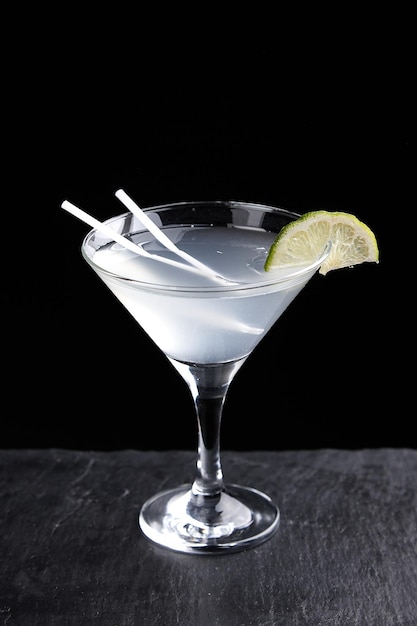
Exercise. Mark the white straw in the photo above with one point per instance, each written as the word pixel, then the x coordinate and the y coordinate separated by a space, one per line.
pixel 161 237
pixel 126 243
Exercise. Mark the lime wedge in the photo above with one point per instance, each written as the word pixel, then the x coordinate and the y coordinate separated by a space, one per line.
pixel 303 241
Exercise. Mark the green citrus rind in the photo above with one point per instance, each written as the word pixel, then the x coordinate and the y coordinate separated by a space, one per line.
pixel 302 241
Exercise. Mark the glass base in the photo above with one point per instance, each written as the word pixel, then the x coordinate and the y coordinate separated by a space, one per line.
pixel 235 519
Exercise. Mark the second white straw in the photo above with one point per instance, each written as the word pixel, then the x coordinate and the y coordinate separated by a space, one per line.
pixel 162 238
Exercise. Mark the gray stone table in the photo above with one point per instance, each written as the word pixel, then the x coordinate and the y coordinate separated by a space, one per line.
pixel 71 552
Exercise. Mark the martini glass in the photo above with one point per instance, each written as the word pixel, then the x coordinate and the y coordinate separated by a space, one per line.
pixel 207 329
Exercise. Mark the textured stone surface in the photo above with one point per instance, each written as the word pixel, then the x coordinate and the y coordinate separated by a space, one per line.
pixel 345 552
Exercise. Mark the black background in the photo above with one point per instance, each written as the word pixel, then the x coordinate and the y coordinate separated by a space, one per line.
pixel 292 113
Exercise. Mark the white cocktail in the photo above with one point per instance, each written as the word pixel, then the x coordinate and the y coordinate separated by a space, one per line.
pixel 187 317
pixel 206 329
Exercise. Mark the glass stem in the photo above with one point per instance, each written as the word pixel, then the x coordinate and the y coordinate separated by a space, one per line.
pixel 209 385
pixel 209 406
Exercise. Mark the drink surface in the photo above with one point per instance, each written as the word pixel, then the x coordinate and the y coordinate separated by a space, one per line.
pixel 189 317
pixel 236 253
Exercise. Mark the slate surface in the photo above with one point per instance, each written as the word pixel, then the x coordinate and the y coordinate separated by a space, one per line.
pixel 345 552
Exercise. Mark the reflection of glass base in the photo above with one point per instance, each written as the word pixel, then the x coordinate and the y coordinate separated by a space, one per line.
pixel 235 519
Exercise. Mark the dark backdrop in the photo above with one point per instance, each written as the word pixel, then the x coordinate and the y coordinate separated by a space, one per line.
pixel 300 118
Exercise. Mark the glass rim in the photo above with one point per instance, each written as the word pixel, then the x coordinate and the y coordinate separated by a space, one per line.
pixel 297 273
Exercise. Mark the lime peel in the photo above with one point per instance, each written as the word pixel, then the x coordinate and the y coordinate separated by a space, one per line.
pixel 302 241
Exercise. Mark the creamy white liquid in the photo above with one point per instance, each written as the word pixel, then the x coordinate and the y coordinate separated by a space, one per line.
pixel 210 324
